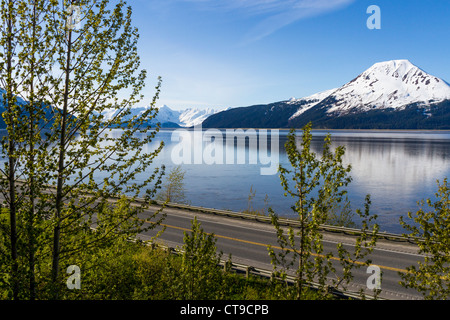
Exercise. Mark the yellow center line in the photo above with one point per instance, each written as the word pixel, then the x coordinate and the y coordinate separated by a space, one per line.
pixel 275 247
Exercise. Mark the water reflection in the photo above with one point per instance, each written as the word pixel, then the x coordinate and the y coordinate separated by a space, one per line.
pixel 396 168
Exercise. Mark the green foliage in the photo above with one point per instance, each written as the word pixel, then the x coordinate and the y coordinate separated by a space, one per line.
pixel 67 78
pixel 341 214
pixel 431 230
pixel 317 186
pixel 172 189
pixel 199 279
pixel 124 270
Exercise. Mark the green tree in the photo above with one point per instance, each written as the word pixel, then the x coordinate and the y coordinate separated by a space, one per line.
pixel 8 43
pixel 430 229
pixel 341 214
pixel 35 57
pixel 57 134
pixel 172 189
pixel 200 276
pixel 316 185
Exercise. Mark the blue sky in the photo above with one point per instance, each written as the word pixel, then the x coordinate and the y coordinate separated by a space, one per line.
pixel 229 53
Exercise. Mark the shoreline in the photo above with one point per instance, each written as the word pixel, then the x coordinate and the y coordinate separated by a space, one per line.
pixel 299 129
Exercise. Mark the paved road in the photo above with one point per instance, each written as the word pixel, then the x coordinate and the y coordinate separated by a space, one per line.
pixel 247 241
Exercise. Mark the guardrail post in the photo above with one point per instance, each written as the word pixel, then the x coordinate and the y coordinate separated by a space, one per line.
pixel 248 270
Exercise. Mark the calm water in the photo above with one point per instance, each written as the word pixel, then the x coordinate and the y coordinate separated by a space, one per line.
pixel 396 168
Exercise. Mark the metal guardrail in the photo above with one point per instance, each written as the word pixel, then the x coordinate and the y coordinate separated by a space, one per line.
pixel 261 218
pixel 282 221
pixel 242 268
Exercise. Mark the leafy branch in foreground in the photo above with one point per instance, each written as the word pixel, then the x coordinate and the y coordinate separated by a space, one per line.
pixel 199 264
pixel 431 231
pixel 172 190
pixel 317 185
pixel 59 82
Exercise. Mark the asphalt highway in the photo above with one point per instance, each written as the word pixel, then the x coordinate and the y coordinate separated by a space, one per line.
pixel 247 242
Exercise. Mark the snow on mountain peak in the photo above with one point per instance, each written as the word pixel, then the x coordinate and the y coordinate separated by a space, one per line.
pixel 390 84
pixel 309 102
pixel 191 117
pixel 185 118
pixel 391 67
pixel 165 114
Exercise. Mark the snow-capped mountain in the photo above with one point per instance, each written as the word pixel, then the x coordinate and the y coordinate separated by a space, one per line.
pixel 311 101
pixel 192 117
pixel 393 94
pixel 167 115
pixel 172 118
pixel 391 84
pixel 185 118
pixel 49 111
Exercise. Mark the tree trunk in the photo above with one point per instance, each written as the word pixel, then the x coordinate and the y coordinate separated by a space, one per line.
pixel 11 158
pixel 31 213
pixel 61 179
pixel 302 243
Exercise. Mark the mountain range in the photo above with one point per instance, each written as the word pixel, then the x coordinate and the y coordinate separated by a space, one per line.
pixel 169 118
pixel 393 94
